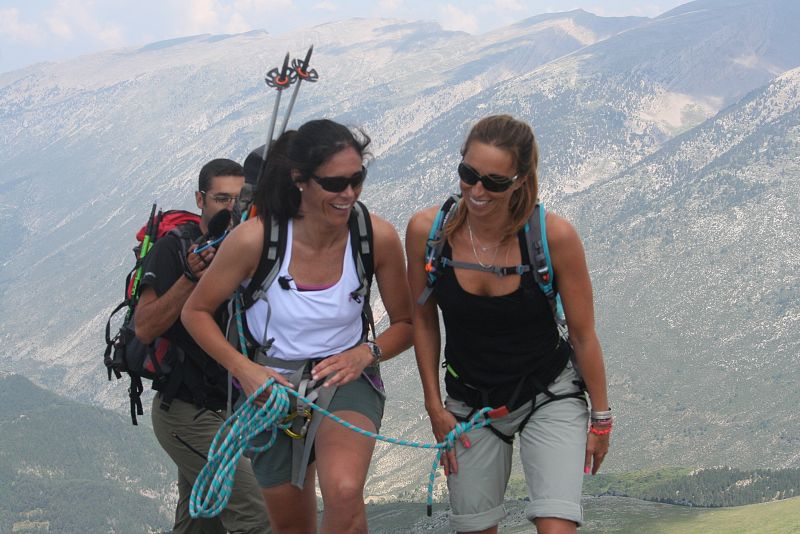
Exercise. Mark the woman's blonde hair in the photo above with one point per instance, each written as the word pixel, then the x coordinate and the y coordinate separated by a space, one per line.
pixel 516 137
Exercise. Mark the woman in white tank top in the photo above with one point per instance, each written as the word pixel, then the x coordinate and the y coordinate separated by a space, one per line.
pixel 312 180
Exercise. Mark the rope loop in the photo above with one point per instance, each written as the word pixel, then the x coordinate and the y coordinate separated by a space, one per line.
pixel 214 485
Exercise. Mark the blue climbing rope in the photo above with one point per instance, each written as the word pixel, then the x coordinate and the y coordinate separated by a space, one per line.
pixel 212 489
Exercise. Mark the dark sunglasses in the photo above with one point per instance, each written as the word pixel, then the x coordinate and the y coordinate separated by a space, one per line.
pixel 337 184
pixel 491 182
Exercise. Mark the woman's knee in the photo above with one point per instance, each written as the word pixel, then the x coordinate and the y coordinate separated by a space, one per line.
pixel 344 491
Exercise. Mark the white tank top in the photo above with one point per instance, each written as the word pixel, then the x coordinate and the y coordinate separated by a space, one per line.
pixel 308 324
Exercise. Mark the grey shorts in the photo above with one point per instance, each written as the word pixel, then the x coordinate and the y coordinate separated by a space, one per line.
pixel 552 450
pixel 273 467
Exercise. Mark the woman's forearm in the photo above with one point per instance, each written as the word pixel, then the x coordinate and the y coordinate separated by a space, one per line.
pixel 589 357
pixel 395 339
pixel 427 344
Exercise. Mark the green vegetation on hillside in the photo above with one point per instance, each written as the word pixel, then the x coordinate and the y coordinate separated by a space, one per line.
pixel 67 467
pixel 618 515
pixel 781 517
pixel 715 487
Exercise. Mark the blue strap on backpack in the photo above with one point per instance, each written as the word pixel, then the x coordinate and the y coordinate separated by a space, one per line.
pixel 540 263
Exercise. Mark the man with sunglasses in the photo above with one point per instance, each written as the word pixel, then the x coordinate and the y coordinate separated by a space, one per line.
pixel 191 401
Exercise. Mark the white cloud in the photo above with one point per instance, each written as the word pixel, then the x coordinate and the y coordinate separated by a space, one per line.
pixel 74 20
pixel 59 28
pixel 508 5
pixel 261 5
pixel 213 16
pixel 325 5
pixel 237 23
pixel 452 18
pixel 203 16
pixel 16 30
pixel 111 35
pixel 389 5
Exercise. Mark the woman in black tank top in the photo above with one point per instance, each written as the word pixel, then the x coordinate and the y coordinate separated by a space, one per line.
pixel 501 336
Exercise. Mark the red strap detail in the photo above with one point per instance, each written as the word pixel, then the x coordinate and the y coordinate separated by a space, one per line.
pixel 497 413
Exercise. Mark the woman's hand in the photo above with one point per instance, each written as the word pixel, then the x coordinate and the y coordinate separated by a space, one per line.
pixel 442 423
pixel 344 367
pixel 596 450
pixel 253 376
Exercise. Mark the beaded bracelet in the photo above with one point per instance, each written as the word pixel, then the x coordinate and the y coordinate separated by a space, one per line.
pixel 602 422
pixel 600 431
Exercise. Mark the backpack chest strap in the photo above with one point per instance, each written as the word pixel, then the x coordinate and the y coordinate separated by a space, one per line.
pixel 499 271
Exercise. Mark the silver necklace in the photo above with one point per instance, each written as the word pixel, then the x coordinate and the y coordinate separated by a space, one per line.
pixel 475 251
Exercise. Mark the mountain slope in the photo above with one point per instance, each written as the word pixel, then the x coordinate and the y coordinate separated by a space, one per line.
pixel 57 455
pixel 696 257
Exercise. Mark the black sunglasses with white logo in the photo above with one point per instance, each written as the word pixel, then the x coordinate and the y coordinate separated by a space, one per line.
pixel 337 184
pixel 491 182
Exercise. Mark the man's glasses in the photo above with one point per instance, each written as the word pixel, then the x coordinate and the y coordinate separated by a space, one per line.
pixel 491 182
pixel 221 198
pixel 337 184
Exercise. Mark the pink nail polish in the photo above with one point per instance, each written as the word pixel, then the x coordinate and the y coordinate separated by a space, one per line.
pixel 467 445
pixel 586 470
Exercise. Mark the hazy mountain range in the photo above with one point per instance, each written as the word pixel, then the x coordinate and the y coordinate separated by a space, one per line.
pixel 673 143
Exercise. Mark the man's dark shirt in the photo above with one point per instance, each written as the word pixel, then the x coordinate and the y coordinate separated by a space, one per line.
pixel 161 269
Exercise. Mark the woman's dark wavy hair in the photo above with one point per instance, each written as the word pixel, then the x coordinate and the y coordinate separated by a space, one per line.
pixel 302 150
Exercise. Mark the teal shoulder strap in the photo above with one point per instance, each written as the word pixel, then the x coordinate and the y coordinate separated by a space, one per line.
pixel 435 244
pixel 542 266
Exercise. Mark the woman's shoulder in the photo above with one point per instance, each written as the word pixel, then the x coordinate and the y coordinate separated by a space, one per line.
pixel 422 220
pixel 248 234
pixel 560 232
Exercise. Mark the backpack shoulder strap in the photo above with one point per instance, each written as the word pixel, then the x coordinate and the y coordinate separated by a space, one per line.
pixel 272 253
pixel 541 264
pixel 185 238
pixel 361 239
pixel 435 244
pixel 362 247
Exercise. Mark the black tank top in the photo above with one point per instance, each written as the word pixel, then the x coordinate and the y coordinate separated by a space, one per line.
pixel 493 343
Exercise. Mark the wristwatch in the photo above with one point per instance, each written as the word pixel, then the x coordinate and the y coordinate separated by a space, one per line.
pixel 375 350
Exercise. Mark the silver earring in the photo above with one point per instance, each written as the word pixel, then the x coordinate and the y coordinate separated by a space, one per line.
pixel 300 189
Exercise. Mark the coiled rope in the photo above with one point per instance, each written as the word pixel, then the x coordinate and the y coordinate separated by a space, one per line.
pixel 212 489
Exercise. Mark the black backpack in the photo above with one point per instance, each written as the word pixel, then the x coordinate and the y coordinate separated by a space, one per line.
pixel 124 352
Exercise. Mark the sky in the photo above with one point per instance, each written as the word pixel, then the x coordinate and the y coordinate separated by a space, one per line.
pixel 32 31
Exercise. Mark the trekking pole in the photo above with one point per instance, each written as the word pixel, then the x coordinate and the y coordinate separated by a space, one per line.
pixel 278 79
pixel 303 74
pixel 149 239
pixel 143 250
